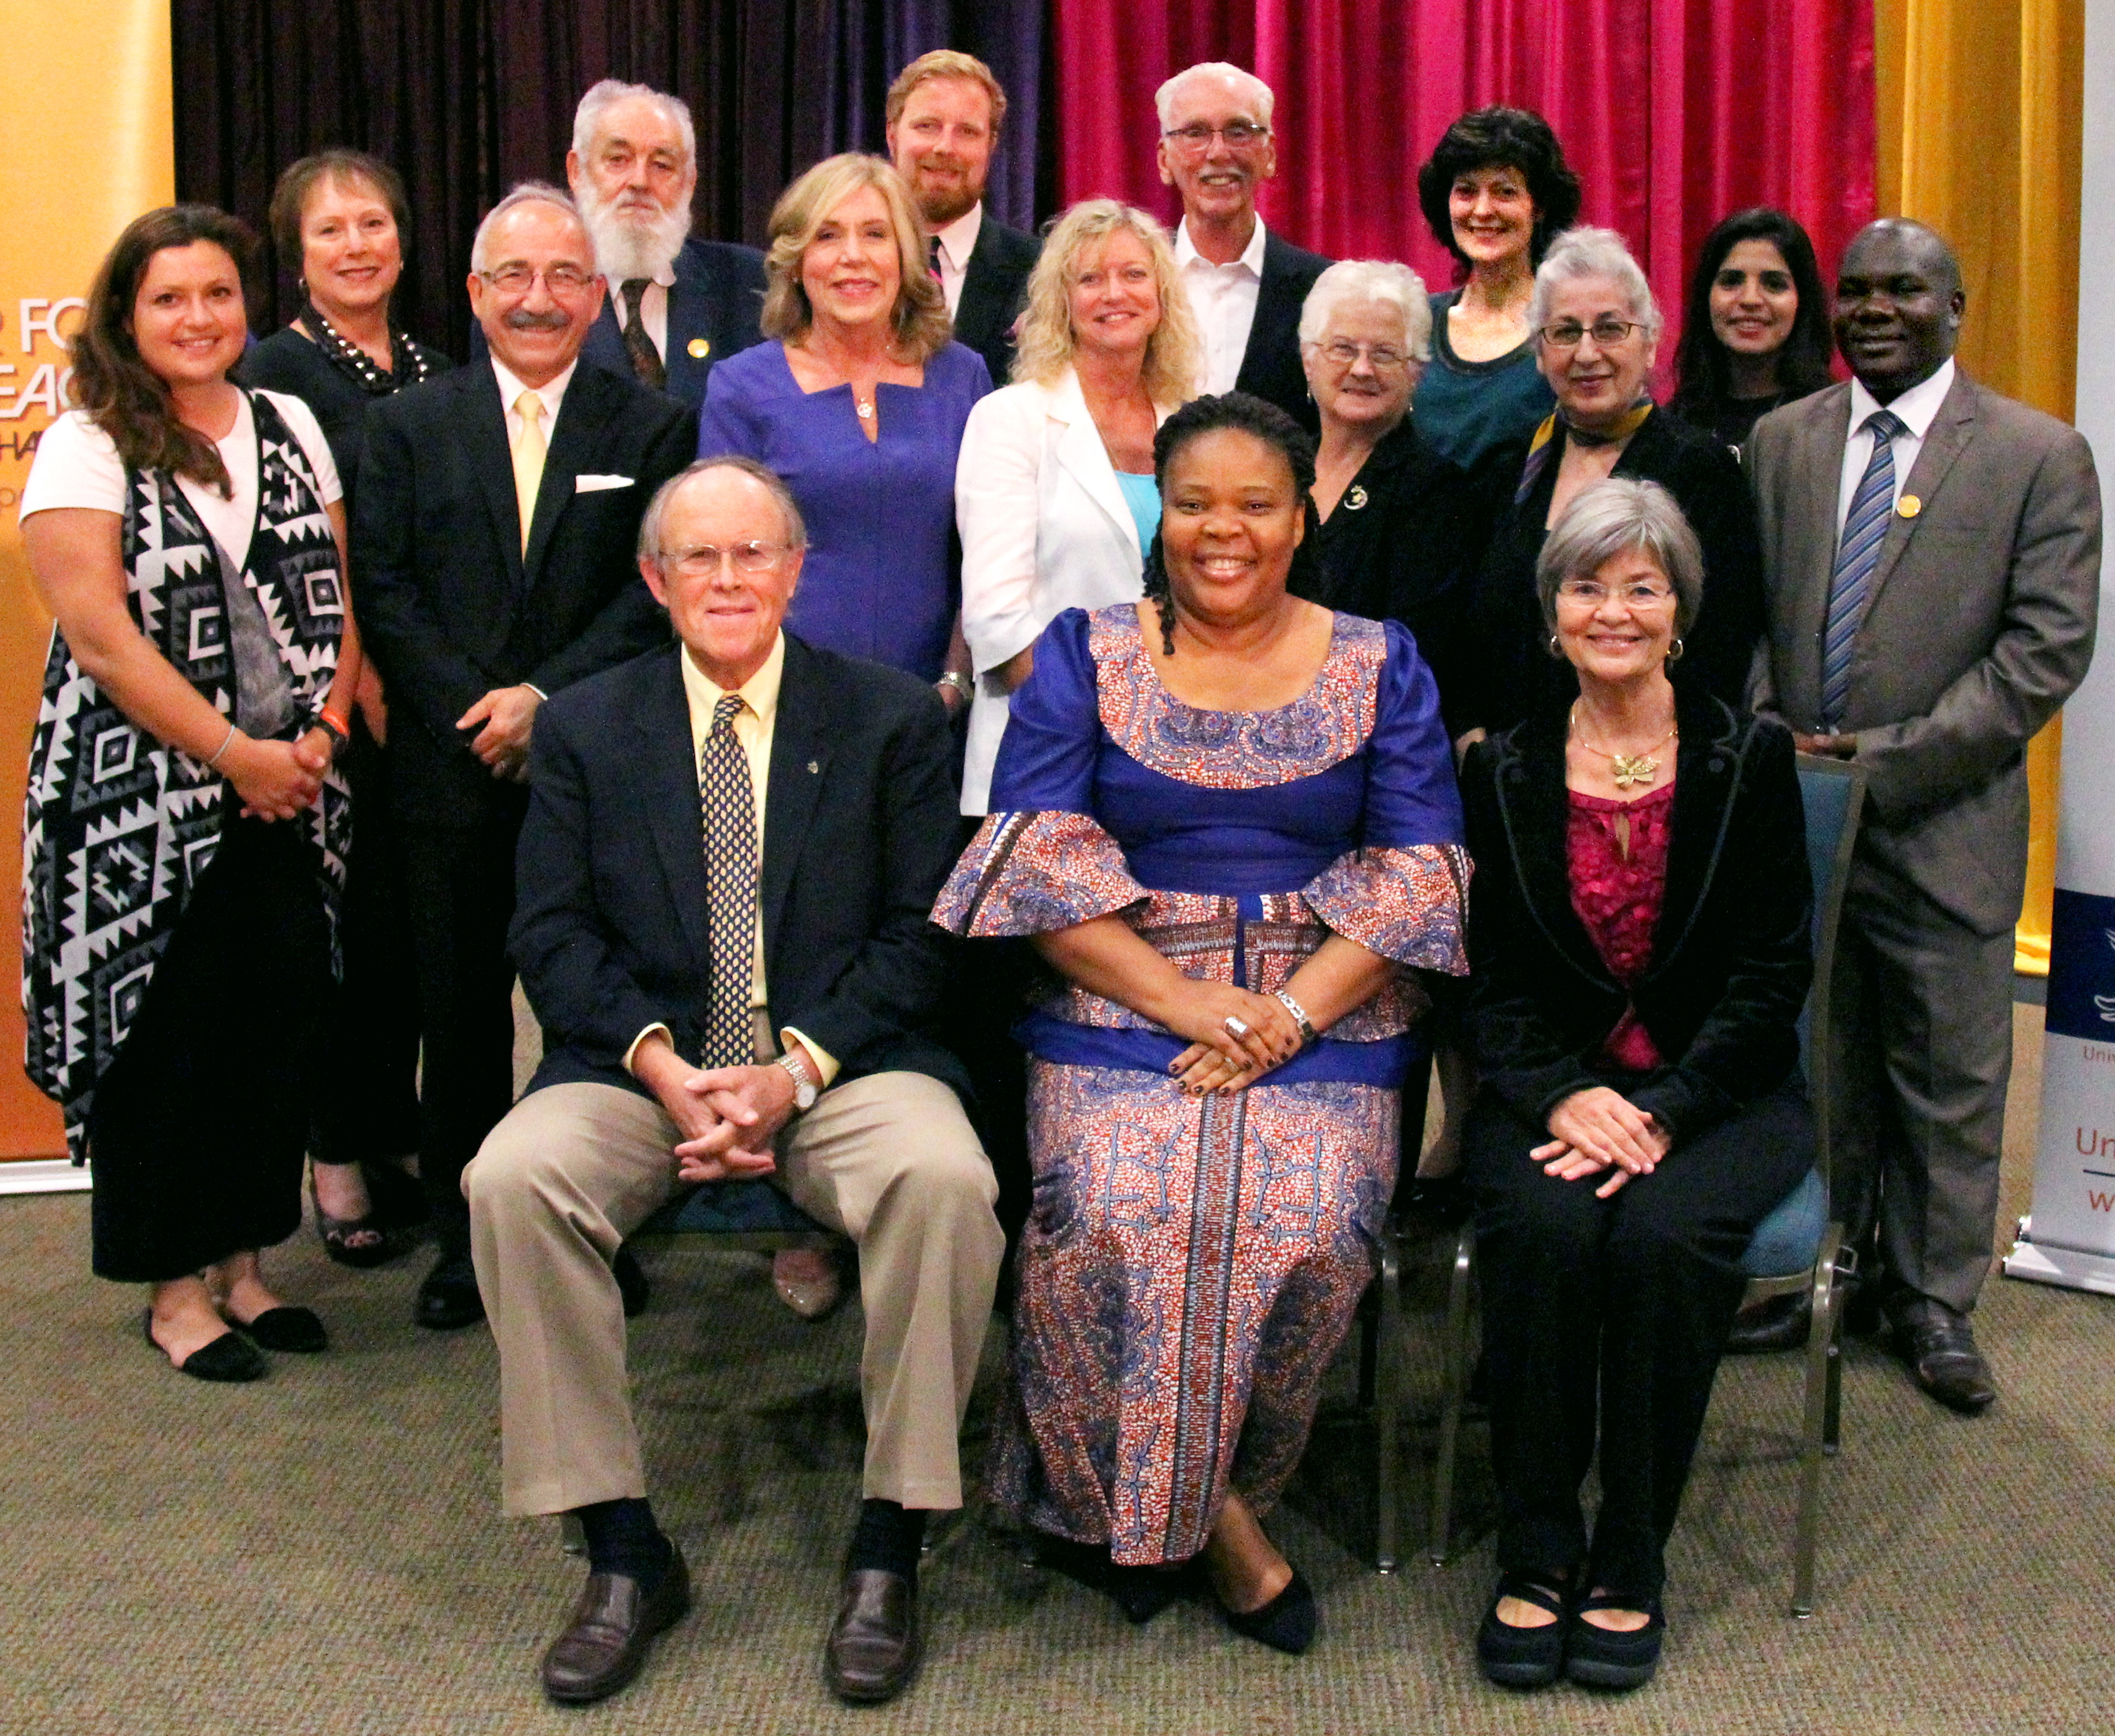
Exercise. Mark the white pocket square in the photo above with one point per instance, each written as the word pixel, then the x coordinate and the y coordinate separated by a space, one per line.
pixel 585 484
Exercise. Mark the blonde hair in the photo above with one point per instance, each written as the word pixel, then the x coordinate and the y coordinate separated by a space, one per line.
pixel 945 63
pixel 920 318
pixel 1174 354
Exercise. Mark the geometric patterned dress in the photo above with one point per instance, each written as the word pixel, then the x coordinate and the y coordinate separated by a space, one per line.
pixel 1191 1265
pixel 119 826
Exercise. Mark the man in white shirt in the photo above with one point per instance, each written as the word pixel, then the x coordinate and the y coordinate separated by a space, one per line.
pixel 1931 554
pixel 1246 286
pixel 944 113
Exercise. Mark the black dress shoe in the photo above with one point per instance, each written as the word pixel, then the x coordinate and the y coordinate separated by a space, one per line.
pixel 1523 1657
pixel 1606 1657
pixel 1781 1323
pixel 1937 1343
pixel 1285 1623
pixel 297 1330
pixel 448 1298
pixel 231 1357
pixel 872 1652
pixel 632 1283
pixel 613 1626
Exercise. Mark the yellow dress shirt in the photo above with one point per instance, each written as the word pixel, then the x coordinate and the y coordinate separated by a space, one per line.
pixel 753 726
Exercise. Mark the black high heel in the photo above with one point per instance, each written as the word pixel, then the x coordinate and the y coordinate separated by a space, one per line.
pixel 337 1235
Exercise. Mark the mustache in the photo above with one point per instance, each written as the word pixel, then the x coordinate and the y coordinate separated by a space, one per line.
pixel 528 320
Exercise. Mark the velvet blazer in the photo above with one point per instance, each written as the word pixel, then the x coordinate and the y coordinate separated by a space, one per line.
pixel 1731 951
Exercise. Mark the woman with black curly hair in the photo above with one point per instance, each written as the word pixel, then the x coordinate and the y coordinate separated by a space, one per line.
pixel 1226 817
pixel 1754 326
pixel 1495 191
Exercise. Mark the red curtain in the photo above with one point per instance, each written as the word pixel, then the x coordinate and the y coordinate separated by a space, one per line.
pixel 1672 113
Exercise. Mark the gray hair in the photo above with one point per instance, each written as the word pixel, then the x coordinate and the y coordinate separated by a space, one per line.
pixel 607 94
pixel 1580 254
pixel 1254 88
pixel 1612 517
pixel 657 508
pixel 1351 281
pixel 528 193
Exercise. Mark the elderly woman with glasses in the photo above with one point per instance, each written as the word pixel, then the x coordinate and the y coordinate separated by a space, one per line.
pixel 1597 336
pixel 1638 956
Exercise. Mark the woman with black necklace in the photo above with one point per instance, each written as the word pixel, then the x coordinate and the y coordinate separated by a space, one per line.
pixel 343 215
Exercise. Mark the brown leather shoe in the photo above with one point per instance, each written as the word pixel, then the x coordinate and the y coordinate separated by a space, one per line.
pixel 1936 1342
pixel 611 1626
pixel 872 1652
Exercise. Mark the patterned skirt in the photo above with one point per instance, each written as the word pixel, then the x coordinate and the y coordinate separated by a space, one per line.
pixel 1188 1272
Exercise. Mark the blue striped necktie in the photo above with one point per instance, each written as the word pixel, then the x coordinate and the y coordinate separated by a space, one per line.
pixel 729 814
pixel 1850 585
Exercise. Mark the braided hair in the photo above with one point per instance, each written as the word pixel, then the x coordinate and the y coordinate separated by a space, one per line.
pixel 1250 415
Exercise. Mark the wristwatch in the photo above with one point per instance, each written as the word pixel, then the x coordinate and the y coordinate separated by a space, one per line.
pixel 804 1088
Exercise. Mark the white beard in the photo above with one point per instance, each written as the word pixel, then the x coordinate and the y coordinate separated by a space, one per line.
pixel 626 248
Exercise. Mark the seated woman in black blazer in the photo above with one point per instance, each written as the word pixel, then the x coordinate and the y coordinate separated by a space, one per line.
pixel 1639 954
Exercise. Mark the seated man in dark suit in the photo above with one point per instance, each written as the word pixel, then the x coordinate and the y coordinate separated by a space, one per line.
pixel 944 112
pixel 731 849
pixel 1246 286
pixel 498 508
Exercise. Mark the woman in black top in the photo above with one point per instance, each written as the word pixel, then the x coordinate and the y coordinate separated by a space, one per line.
pixel 1597 332
pixel 342 214
pixel 1755 330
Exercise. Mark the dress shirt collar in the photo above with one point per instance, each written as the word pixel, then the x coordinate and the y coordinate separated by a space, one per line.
pixel 959 239
pixel 664 275
pixel 1187 254
pixel 1917 407
pixel 759 692
pixel 553 391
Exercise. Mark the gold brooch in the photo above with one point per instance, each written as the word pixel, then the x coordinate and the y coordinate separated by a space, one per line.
pixel 1626 769
pixel 1909 505
pixel 700 347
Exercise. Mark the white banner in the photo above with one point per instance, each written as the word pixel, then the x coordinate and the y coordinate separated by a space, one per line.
pixel 2069 1237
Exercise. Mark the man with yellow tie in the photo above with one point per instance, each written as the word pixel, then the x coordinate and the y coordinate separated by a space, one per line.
pixel 495 551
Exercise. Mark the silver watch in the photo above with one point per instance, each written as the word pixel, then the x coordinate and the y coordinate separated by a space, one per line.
pixel 804 1088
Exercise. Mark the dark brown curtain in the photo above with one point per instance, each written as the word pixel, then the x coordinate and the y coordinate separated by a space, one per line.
pixel 467 97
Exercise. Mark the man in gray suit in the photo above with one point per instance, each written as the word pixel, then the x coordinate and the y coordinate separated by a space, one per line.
pixel 1932 554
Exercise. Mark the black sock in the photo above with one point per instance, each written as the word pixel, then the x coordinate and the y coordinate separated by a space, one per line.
pixel 888 1537
pixel 622 1538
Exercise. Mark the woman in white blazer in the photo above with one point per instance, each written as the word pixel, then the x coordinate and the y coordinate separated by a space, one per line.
pixel 1054 492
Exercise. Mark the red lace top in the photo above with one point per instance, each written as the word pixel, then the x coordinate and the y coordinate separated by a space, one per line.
pixel 1617 894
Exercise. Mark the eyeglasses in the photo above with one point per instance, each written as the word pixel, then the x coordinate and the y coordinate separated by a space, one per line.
pixel 1593 593
pixel 705 561
pixel 1565 333
pixel 517 279
pixel 1341 353
pixel 1197 136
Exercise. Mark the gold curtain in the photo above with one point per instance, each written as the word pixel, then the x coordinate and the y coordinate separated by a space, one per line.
pixel 1980 121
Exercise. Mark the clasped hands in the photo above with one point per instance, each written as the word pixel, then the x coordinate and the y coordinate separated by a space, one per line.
pixel 726 1117
pixel 502 743
pixel 1219 1060
pixel 277 780
pixel 1598 1129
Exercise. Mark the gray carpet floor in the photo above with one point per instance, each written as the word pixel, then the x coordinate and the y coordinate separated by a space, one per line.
pixel 321 1552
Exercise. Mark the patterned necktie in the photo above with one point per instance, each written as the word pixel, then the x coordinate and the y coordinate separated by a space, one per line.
pixel 730 816
pixel 645 360
pixel 1864 530
pixel 528 460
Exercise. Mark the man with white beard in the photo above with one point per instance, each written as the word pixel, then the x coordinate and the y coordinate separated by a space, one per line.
pixel 675 305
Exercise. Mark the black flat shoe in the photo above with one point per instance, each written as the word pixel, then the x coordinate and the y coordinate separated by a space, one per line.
pixel 1522 1657
pixel 1141 1593
pixel 295 1330
pixel 448 1298
pixel 1285 1623
pixel 1601 1657
pixel 231 1357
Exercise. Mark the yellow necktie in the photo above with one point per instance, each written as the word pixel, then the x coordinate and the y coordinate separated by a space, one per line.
pixel 528 460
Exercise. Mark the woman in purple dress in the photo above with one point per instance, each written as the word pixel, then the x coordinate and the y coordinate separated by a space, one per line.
pixel 1228 819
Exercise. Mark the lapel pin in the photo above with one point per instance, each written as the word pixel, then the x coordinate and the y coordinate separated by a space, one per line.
pixel 699 348
pixel 1909 505
pixel 1355 498
pixel 815 765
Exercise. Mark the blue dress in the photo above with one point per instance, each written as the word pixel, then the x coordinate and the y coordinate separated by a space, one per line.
pixel 882 579
pixel 1464 409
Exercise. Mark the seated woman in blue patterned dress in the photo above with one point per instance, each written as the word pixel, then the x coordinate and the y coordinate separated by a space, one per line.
pixel 1228 819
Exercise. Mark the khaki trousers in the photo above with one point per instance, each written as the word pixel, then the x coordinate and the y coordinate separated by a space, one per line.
pixel 889 1160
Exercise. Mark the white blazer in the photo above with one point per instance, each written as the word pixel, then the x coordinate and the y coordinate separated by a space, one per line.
pixel 1044 528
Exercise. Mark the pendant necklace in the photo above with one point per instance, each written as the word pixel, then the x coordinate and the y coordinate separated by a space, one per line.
pixel 1625 769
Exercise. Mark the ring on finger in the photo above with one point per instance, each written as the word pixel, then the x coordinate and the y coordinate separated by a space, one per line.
pixel 1234 1027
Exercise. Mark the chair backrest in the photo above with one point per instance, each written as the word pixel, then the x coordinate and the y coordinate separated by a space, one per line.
pixel 1833 792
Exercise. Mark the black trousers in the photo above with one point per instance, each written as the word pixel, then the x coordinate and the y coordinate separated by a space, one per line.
pixel 1603 1322
pixel 200 1122
pixel 459 892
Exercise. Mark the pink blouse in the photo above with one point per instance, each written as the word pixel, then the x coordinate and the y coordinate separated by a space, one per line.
pixel 1617 895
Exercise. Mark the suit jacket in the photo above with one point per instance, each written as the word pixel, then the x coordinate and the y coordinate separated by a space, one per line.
pixel 610 924
pixel 1270 365
pixel 446 600
pixel 1980 623
pixel 994 289
pixel 1731 956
